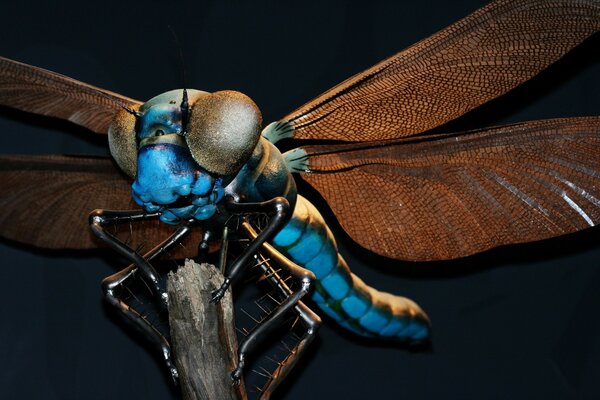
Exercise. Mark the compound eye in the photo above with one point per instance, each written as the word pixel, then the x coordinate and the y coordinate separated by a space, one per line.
pixel 223 129
pixel 122 142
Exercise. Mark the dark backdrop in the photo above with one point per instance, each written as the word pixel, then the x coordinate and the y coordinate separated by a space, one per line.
pixel 518 322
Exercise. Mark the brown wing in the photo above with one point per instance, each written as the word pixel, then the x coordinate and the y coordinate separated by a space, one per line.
pixel 449 196
pixel 442 77
pixel 45 201
pixel 44 92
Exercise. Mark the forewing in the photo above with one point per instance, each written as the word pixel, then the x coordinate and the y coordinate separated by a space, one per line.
pixel 450 196
pixel 45 202
pixel 442 77
pixel 44 92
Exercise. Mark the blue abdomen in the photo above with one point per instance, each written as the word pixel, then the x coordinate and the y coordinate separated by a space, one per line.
pixel 307 240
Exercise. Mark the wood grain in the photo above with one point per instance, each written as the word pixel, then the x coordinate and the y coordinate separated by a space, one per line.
pixel 203 334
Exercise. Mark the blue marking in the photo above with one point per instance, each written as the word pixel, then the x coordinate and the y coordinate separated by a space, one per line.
pixel 205 212
pixel 324 262
pixel 343 322
pixel 375 319
pixel 151 207
pixel 183 212
pixel 167 172
pixel 289 234
pixel 308 248
pixel 218 191
pixel 164 173
pixel 396 325
pixel 422 333
pixel 355 305
pixel 305 239
pixel 337 284
pixel 416 330
pixel 166 117
pixel 200 201
pixel 169 218
pixel 202 185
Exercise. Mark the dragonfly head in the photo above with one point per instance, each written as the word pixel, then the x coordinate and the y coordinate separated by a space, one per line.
pixel 183 147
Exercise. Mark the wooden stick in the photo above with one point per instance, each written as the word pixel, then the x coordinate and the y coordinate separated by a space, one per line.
pixel 202 334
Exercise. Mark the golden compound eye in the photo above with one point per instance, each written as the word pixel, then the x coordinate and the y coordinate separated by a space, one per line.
pixel 122 136
pixel 122 142
pixel 223 129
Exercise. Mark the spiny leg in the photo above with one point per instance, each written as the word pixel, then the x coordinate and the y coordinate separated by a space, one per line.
pixel 279 208
pixel 100 218
pixel 134 318
pixel 112 283
pixel 311 323
pixel 309 319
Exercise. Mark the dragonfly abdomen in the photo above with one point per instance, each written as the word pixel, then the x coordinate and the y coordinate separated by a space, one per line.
pixel 307 240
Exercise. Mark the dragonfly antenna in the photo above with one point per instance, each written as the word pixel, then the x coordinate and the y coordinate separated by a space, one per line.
pixel 185 108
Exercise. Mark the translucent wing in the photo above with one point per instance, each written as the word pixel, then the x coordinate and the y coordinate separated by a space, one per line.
pixel 45 201
pixel 448 196
pixel 442 77
pixel 44 92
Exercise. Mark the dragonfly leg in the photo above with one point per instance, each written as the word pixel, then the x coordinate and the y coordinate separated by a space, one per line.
pixel 311 323
pixel 224 249
pixel 203 246
pixel 113 284
pixel 111 288
pixel 279 208
pixel 292 301
pixel 100 218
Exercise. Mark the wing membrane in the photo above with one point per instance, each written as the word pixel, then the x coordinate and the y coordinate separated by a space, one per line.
pixel 442 77
pixel 44 92
pixel 450 196
pixel 45 201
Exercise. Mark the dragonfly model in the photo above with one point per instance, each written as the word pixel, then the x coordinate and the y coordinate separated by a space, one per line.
pixel 194 157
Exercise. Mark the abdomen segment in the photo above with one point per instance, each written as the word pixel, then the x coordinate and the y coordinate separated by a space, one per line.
pixel 307 240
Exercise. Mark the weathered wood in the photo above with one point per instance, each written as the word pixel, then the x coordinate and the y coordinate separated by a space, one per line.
pixel 202 334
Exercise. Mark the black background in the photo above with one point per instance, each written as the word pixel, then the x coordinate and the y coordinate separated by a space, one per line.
pixel 519 322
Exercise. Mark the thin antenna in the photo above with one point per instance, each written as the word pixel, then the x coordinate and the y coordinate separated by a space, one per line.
pixel 180 50
pixel 185 112
pixel 184 106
